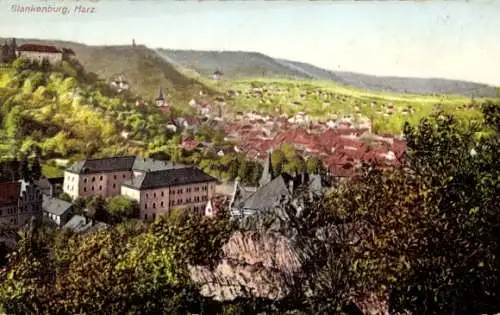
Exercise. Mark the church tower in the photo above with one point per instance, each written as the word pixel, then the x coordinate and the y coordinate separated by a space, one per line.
pixel 267 172
pixel 160 100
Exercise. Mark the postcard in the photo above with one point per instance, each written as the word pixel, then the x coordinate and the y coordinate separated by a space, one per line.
pixel 249 157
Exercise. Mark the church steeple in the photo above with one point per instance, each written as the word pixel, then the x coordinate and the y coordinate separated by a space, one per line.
pixel 160 100
pixel 267 172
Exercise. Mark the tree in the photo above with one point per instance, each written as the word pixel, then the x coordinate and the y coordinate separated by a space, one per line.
pixel 64 196
pixel 96 209
pixel 36 169
pixel 314 166
pixel 122 208
pixel 24 169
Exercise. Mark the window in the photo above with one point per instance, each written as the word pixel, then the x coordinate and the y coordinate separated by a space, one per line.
pixel 154 216
pixel 179 201
pixel 84 180
pixel 100 178
pixel 123 175
pixel 84 189
pixel 145 206
pixel 154 205
pixel 114 185
pixel 146 216
pixel 161 204
pixel 173 192
pixel 100 187
pixel 92 188
pixel 114 177
pixel 93 179
pixel 147 195
pixel 162 193
pixel 154 195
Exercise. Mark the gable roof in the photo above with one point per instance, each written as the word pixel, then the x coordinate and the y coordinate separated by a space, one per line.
pixel 38 48
pixel 9 193
pixel 151 165
pixel 169 178
pixel 114 164
pixel 55 206
pixel 267 196
pixel 80 224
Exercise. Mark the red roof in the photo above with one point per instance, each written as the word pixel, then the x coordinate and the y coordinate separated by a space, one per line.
pixel 38 48
pixel 190 144
pixel 9 193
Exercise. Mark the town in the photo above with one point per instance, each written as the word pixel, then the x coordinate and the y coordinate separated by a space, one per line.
pixel 140 180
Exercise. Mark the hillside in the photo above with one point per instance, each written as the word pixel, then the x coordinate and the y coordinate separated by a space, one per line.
pixel 398 84
pixel 145 70
pixel 325 99
pixel 234 64
pixel 61 112
pixel 244 65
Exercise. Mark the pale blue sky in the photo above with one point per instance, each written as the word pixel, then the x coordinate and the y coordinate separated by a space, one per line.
pixel 450 39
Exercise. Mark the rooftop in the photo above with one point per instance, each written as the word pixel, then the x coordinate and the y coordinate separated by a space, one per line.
pixel 38 48
pixel 55 206
pixel 169 178
pixel 120 164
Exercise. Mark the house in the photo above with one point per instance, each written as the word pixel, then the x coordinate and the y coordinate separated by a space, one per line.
pixel 171 126
pixel 56 210
pixel 50 186
pixel 217 75
pixel 103 177
pixel 19 202
pixel 214 206
pixel 120 83
pixel 80 224
pixel 30 202
pixel 159 192
pixel 9 198
pixel 38 53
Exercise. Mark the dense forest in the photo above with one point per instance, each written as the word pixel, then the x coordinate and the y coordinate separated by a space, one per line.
pixel 419 239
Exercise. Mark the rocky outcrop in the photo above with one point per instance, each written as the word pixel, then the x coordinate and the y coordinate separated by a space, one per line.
pixel 254 265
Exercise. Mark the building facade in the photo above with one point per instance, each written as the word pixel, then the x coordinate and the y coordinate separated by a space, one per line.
pixel 19 202
pixel 158 186
pixel 38 53
pixel 160 192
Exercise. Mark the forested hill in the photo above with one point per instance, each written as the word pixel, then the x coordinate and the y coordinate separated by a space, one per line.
pixel 63 111
pixel 145 70
pixel 243 65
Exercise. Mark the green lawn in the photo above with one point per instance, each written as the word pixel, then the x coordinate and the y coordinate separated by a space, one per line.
pixel 51 171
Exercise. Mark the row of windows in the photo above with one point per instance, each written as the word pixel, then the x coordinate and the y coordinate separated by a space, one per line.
pixel 179 202
pixel 101 178
pixel 188 190
pixel 10 211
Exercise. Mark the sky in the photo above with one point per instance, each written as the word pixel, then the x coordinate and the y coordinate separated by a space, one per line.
pixel 445 39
